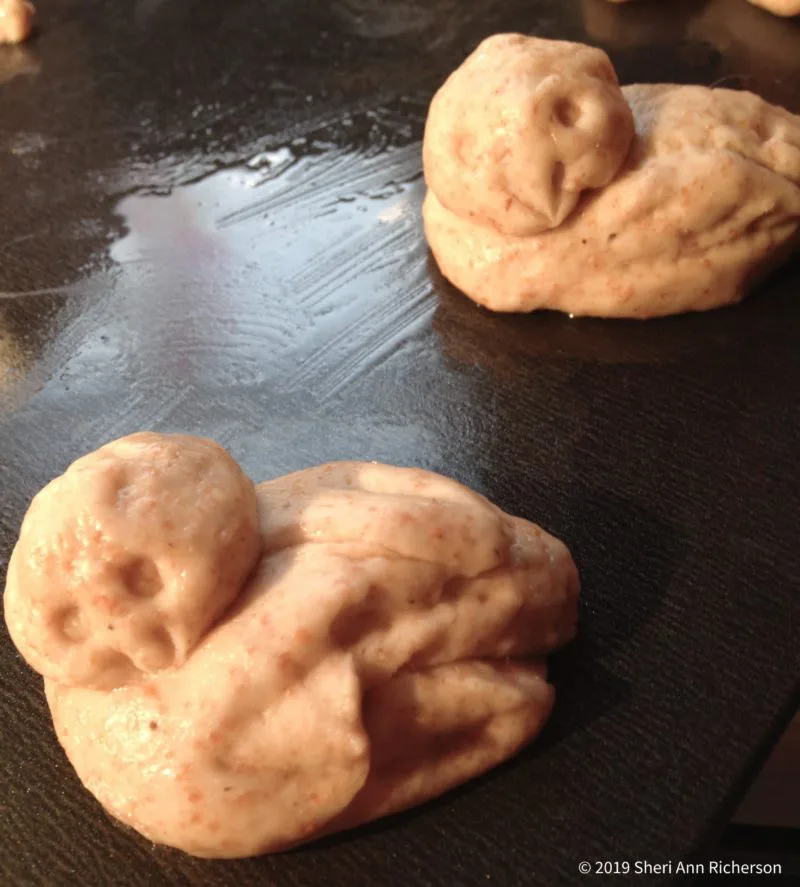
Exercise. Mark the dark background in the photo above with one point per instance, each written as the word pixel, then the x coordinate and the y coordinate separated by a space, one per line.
pixel 209 223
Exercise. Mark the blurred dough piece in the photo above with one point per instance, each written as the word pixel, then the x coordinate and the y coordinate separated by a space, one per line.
pixel 786 8
pixel 16 20
pixel 389 646
pixel 706 200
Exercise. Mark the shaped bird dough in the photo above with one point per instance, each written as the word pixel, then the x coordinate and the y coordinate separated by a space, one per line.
pixel 388 646
pixel 551 187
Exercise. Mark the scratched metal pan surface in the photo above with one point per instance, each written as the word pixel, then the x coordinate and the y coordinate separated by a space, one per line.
pixel 209 222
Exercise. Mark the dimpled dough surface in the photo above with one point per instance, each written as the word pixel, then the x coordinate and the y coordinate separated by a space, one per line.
pixel 388 645
pixel 592 199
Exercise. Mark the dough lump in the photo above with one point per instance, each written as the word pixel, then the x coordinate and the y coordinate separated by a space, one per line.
pixel 704 202
pixel 16 20
pixel 389 645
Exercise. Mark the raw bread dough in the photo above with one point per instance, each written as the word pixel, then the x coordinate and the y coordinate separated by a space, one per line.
pixel 389 646
pixel 16 20
pixel 705 201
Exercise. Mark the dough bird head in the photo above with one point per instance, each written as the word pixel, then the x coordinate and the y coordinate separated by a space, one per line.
pixel 520 130
pixel 126 560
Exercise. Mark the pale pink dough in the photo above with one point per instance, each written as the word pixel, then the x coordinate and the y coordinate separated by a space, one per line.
pixel 16 20
pixel 706 201
pixel 389 645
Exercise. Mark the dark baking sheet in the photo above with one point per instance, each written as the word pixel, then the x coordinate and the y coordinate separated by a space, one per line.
pixel 209 223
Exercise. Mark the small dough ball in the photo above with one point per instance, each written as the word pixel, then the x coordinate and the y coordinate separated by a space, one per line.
pixel 16 20
pixel 127 559
pixel 522 129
